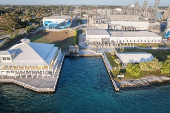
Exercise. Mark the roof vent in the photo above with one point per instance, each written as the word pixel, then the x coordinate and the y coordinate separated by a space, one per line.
pixel 25 40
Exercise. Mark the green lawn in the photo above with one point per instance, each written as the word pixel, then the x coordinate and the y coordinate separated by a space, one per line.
pixel 161 55
pixel 61 39
pixel 110 59
pixel 38 39
pixel 128 75
pixel 149 45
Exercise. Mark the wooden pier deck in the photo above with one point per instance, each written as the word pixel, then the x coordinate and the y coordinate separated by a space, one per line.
pixel 40 84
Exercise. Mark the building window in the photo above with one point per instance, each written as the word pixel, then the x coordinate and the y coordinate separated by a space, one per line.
pixel 145 40
pixel 4 58
pixel 138 40
pixel 155 40
pixel 158 40
pixel 152 40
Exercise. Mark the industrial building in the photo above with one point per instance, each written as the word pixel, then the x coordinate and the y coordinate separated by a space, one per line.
pixel 56 22
pixel 129 25
pixel 99 35
pixel 30 59
pixel 134 57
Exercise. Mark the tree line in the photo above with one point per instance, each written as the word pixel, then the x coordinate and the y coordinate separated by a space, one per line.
pixel 152 66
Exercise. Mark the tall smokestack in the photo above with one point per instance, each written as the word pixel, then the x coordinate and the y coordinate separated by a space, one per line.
pixel 145 4
pixel 136 4
pixel 157 4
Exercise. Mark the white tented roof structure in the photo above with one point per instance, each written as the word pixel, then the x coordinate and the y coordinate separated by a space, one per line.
pixel 135 57
pixel 29 53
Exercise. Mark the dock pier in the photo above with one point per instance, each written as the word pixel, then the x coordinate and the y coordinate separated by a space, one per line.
pixel 49 83
pixel 109 68
pixel 40 84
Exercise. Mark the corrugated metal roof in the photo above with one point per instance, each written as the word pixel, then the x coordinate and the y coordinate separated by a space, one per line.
pixel 133 34
pixel 135 57
pixel 97 32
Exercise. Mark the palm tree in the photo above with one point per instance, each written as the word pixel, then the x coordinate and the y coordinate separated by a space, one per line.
pixel 118 61
pixel 159 65
pixel 142 65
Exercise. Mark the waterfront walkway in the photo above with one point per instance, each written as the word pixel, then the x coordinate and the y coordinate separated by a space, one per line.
pixel 38 84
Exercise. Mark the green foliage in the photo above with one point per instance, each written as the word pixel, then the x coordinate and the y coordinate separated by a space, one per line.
pixel 75 37
pixel 151 66
pixel 113 57
pixel 118 61
pixel 113 52
pixel 166 66
pixel 133 69
pixel 29 28
pixel 110 59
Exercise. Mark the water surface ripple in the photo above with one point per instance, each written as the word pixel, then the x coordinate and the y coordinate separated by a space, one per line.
pixel 85 87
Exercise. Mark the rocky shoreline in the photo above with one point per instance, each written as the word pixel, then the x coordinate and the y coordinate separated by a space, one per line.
pixel 143 81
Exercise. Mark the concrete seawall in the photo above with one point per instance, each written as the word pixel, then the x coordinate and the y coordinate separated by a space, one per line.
pixel 108 67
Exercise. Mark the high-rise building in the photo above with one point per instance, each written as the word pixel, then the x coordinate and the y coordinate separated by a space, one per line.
pixel 145 4
pixel 157 4
pixel 136 4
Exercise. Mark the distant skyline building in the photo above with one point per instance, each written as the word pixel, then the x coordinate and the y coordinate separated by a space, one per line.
pixel 80 2
pixel 157 4
pixel 145 4
pixel 136 4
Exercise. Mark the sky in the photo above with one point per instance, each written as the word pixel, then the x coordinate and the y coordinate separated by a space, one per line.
pixel 81 2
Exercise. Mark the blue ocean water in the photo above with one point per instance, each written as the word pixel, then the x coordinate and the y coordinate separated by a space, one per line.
pixel 85 87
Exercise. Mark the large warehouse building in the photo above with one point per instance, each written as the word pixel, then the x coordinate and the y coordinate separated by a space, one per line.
pixel 99 35
pixel 57 22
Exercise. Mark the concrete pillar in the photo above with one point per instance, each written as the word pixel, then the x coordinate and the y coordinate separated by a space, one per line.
pixel 31 74
pixel 15 74
pixel 1 74
pixel 20 74
pixel 43 74
pixel 26 74
pixel 37 74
